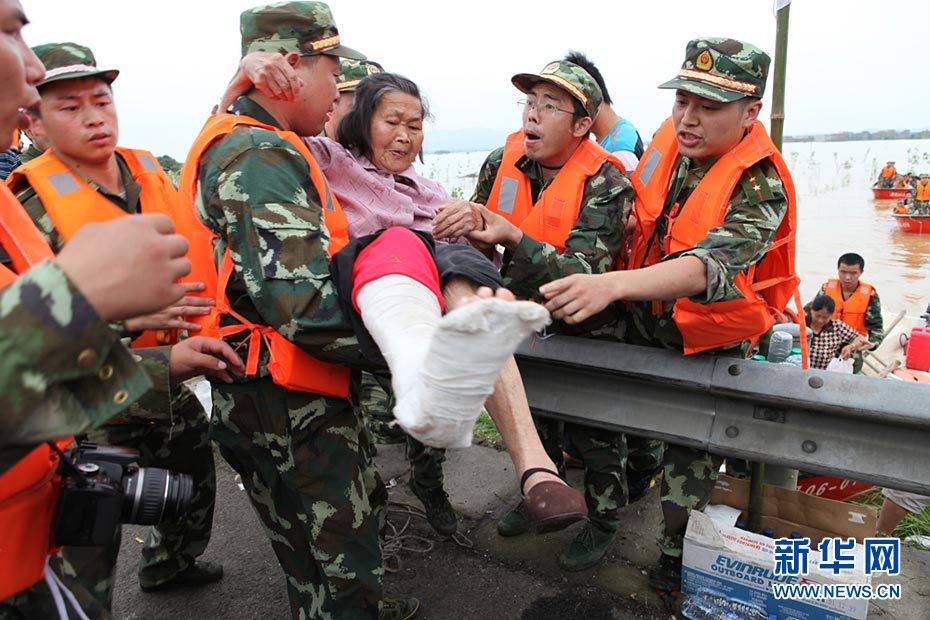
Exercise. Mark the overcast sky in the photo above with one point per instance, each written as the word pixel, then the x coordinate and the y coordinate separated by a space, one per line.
pixel 851 65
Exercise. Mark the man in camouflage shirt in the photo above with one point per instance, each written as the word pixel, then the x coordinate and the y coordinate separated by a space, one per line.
pixel 561 104
pixel 63 370
pixel 718 97
pixel 171 434
pixel 298 453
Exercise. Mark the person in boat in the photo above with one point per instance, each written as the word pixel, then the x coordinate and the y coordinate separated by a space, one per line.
pixel 551 163
pixel 370 169
pixel 920 198
pixel 615 133
pixel 831 337
pixel 857 302
pixel 715 213
pixel 887 176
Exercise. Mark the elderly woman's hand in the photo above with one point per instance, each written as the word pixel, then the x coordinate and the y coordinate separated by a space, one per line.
pixel 269 72
pixel 457 218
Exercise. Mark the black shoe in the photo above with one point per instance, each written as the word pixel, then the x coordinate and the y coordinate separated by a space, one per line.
pixel 439 511
pixel 399 609
pixel 198 574
pixel 666 575
pixel 638 484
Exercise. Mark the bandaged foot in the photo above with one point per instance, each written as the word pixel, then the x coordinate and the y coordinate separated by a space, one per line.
pixel 460 369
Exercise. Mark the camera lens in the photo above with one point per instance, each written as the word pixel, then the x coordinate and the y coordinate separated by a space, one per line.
pixel 152 495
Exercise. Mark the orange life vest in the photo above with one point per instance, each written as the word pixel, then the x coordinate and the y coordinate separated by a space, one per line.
pixel 922 191
pixel 71 203
pixel 767 286
pixel 851 311
pixel 556 211
pixel 289 366
pixel 29 489
pixel 888 172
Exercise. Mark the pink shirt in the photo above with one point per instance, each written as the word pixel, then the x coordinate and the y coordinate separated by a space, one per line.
pixel 373 199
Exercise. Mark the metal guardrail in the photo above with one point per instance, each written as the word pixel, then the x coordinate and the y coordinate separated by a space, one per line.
pixel 861 428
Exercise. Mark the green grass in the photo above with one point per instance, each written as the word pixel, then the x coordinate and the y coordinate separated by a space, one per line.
pixel 486 430
pixel 911 525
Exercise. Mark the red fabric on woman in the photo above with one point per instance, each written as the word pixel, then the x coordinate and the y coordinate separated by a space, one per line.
pixel 397 251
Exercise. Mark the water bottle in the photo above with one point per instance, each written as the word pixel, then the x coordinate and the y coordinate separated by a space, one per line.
pixel 707 604
pixel 795 359
pixel 780 347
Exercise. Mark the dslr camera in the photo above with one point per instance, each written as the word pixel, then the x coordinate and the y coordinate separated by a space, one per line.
pixel 101 488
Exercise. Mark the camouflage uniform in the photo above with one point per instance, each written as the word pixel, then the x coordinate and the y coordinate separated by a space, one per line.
pixel 29 154
pixel 87 377
pixel 298 453
pixel 753 215
pixel 590 247
pixel 919 207
pixel 171 434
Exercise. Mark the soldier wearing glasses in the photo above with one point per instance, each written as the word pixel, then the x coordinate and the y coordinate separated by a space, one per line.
pixel 559 203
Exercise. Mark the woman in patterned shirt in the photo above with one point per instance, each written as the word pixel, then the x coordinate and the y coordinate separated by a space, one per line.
pixel 831 337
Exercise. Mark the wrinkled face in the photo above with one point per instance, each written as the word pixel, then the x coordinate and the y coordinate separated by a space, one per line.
pixel 20 70
pixel 79 119
pixel 819 318
pixel 318 95
pixel 396 132
pixel 849 275
pixel 549 128
pixel 331 129
pixel 706 129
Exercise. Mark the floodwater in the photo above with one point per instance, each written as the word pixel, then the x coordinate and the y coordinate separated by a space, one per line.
pixel 836 214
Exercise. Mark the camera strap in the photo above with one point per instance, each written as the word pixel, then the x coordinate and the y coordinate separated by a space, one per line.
pixel 60 593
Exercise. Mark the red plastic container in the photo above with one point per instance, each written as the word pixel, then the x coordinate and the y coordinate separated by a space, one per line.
pixel 918 349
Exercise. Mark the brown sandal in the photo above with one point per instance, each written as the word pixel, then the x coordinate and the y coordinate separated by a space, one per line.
pixel 550 505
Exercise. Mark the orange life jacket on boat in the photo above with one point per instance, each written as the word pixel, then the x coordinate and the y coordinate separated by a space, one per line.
pixel 767 286
pixel 922 190
pixel 851 311
pixel 556 211
pixel 289 366
pixel 888 172
pixel 29 489
pixel 71 204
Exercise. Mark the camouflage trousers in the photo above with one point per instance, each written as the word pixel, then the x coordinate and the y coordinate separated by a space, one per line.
pixel 604 455
pixel 376 404
pixel 688 479
pixel 302 461
pixel 176 440
pixel 886 182
pixel 920 207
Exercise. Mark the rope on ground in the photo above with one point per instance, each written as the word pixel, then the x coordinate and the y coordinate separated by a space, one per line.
pixel 397 539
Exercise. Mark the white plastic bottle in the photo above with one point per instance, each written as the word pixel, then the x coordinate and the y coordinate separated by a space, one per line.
pixel 780 347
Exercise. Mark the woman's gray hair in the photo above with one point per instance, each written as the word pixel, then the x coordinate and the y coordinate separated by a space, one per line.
pixel 355 128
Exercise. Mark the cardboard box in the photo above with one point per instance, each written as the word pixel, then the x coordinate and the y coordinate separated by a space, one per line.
pixel 739 565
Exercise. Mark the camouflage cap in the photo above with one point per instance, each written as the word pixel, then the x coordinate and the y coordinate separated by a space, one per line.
pixel 569 77
pixel 307 28
pixel 722 70
pixel 68 61
pixel 351 72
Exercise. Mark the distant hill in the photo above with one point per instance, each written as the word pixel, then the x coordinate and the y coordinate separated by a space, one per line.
pixel 460 140
pixel 873 134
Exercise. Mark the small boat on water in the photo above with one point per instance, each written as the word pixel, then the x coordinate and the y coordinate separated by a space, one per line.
pixel 912 223
pixel 892 193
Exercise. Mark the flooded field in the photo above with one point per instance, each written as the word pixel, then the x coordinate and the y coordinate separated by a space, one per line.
pixel 836 213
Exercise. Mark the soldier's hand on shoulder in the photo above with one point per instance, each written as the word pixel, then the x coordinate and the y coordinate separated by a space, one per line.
pixel 204 356
pixel 128 267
